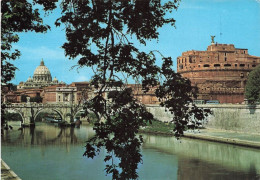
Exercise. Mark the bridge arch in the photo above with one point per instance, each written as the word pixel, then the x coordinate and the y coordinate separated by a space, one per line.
pixel 17 111
pixel 78 111
pixel 42 109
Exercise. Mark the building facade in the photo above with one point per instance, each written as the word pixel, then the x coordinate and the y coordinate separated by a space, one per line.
pixel 41 78
pixel 220 72
pixel 144 98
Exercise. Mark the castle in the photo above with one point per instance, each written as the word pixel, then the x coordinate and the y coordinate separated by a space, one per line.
pixel 220 72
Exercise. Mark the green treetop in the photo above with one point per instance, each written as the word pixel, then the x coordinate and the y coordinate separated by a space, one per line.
pixel 252 92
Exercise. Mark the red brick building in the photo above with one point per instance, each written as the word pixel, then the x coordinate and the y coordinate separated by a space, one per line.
pixel 144 98
pixel 220 72
pixel 84 91
pixel 50 94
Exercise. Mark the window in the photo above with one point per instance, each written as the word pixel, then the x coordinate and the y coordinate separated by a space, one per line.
pixel 190 59
pixel 242 75
pixel 216 65
pixel 253 65
pixel 225 58
pixel 242 65
pixel 235 65
pixel 206 65
pixel 227 65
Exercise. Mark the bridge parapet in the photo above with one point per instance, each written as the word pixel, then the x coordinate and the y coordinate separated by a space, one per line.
pixel 29 111
pixel 36 105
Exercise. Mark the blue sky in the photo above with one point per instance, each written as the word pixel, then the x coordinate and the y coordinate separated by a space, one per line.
pixel 196 20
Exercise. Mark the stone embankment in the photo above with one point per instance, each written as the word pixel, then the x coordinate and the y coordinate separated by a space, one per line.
pixel 7 173
pixel 229 123
pixel 229 137
pixel 235 117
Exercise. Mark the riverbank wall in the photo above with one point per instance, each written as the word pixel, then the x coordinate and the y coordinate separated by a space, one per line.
pixel 234 117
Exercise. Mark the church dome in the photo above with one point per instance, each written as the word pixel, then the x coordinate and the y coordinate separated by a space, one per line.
pixel 30 79
pixel 55 80
pixel 42 73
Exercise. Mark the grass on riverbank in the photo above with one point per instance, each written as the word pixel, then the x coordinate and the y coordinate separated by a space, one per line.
pixel 158 127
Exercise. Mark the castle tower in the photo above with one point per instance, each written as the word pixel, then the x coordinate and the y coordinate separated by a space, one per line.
pixel 220 72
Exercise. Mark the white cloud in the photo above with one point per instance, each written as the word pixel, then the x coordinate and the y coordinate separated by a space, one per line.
pixel 81 78
pixel 41 52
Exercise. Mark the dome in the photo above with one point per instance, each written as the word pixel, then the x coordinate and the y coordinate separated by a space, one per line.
pixel 29 79
pixel 42 69
pixel 42 73
pixel 55 80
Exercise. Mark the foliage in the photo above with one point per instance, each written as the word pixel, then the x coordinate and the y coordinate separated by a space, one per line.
pixel 158 127
pixel 99 33
pixel 16 17
pixel 253 86
pixel 37 99
pixel 24 98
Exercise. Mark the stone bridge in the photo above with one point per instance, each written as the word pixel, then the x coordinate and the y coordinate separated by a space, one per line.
pixel 29 111
pixel 225 116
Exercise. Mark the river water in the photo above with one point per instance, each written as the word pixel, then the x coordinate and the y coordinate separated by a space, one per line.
pixel 50 153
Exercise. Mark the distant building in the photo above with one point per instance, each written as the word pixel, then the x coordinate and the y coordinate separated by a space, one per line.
pixel 144 98
pixel 75 93
pixel 66 94
pixel 84 91
pixel 220 72
pixel 41 78
pixel 50 94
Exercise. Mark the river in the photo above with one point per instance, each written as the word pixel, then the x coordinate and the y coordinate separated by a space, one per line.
pixel 50 153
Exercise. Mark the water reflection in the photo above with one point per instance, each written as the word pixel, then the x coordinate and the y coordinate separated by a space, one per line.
pixel 48 148
pixel 47 134
pixel 208 157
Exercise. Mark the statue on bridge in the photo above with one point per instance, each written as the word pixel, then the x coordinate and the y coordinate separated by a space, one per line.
pixel 28 99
